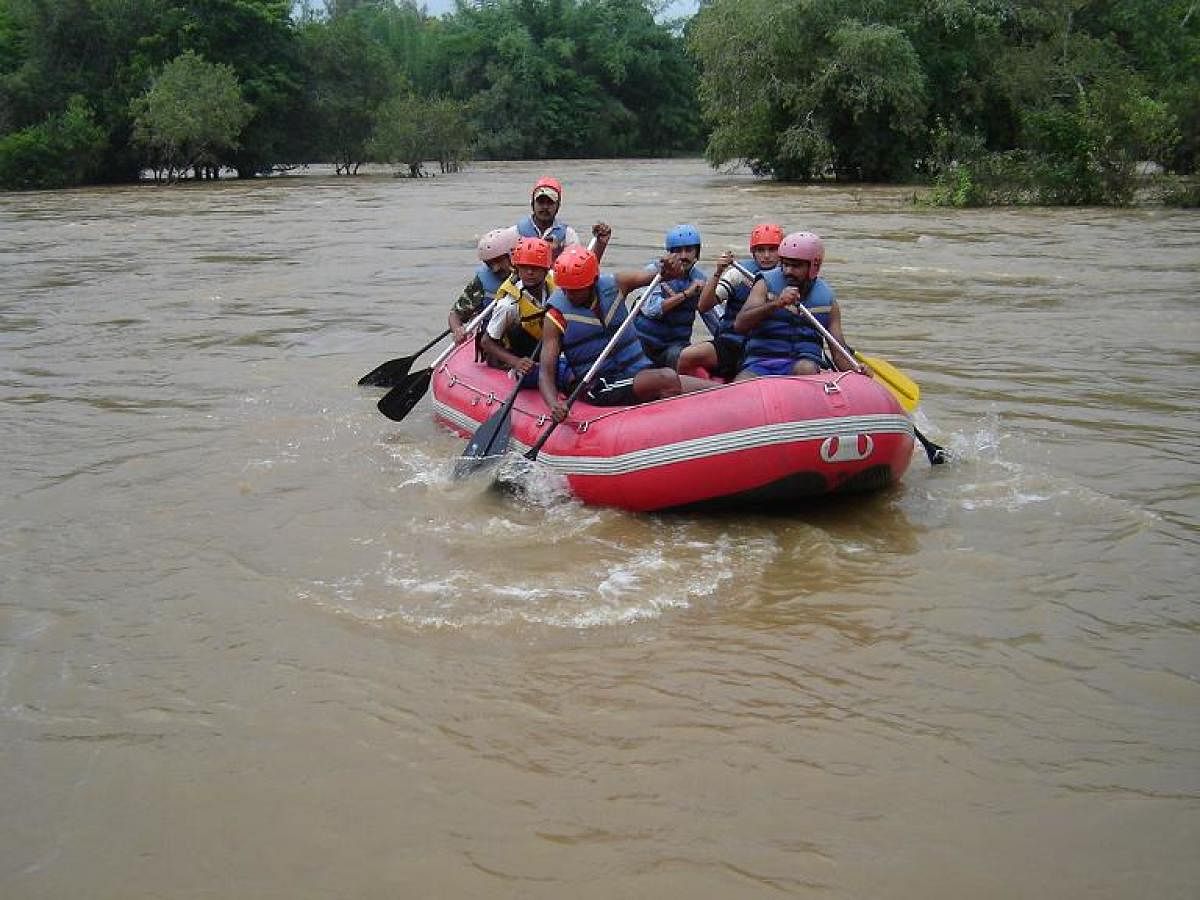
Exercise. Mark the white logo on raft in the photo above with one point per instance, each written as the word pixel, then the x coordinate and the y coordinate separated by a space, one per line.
pixel 846 447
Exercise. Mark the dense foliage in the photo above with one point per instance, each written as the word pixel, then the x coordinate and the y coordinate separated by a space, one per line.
pixel 104 89
pixel 1048 101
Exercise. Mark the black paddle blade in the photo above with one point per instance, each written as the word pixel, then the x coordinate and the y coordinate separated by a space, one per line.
pixel 937 454
pixel 400 400
pixel 487 445
pixel 388 374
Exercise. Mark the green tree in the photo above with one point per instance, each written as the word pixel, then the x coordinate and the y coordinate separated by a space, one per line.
pixel 255 38
pixel 1044 100
pixel 101 50
pixel 66 149
pixel 349 75
pixel 190 116
pixel 570 78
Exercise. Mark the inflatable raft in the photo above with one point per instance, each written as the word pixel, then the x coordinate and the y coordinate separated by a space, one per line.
pixel 763 443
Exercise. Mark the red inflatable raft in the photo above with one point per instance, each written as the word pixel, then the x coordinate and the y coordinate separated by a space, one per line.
pixel 767 442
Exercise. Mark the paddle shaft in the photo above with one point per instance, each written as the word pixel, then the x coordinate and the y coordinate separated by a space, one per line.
pixel 600 360
pixel 468 329
pixel 400 400
pixel 444 334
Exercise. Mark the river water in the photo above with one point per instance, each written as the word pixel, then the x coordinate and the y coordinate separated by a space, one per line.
pixel 256 642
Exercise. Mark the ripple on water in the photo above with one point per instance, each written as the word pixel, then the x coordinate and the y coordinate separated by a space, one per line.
pixel 539 558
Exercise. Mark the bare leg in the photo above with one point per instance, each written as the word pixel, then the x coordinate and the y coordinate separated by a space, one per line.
pixel 805 367
pixel 654 384
pixel 690 383
pixel 698 356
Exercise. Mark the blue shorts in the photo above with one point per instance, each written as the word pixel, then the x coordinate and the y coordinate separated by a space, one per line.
pixel 564 375
pixel 775 365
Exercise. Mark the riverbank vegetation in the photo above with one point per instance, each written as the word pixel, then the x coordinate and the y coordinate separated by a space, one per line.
pixel 989 101
pixel 103 90
pixel 984 101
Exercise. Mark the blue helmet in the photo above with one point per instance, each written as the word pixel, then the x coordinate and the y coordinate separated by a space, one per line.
pixel 683 236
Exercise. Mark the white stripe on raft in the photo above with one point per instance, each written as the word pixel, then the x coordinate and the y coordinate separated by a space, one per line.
pixel 700 448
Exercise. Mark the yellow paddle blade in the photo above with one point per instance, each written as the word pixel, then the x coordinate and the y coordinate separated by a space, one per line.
pixel 902 387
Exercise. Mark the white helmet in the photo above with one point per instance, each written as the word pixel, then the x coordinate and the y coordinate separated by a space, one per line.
pixel 498 242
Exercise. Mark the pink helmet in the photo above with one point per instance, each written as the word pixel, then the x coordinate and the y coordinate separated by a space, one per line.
pixel 768 234
pixel 576 267
pixel 806 246
pixel 498 242
pixel 532 252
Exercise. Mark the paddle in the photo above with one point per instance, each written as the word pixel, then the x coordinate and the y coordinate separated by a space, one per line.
pixel 490 440
pixel 400 400
pixel 388 374
pixel 591 373
pixel 891 377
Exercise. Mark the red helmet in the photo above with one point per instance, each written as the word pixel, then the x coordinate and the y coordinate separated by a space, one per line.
pixel 576 267
pixel 806 246
pixel 768 234
pixel 532 252
pixel 551 187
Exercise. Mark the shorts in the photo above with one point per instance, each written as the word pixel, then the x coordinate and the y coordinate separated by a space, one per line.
pixel 776 365
pixel 729 357
pixel 664 357
pixel 614 391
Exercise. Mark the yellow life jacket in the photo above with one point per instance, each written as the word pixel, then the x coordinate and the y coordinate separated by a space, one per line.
pixel 530 312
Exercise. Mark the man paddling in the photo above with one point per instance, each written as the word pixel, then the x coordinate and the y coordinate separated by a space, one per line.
pixel 780 338
pixel 728 285
pixel 494 267
pixel 583 315
pixel 669 311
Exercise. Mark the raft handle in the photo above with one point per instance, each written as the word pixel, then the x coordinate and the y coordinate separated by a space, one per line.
pixel 832 387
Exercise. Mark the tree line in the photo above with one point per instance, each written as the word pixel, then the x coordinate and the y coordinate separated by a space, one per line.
pixel 103 90
pixel 1043 101
pixel 987 101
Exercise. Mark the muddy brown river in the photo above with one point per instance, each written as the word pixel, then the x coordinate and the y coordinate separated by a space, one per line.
pixel 255 640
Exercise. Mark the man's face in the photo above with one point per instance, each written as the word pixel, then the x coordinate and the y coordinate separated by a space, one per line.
pixel 531 276
pixel 767 257
pixel 795 271
pixel 545 208
pixel 500 266
pixel 687 256
pixel 579 296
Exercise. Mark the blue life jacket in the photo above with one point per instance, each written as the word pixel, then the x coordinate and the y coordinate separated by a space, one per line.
pixel 736 301
pixel 586 336
pixel 786 334
pixel 490 281
pixel 675 326
pixel 557 233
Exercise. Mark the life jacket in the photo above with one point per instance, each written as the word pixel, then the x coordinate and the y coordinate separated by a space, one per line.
pixel 523 340
pixel 788 334
pixel 675 326
pixel 586 336
pixel 557 232
pixel 490 280
pixel 737 299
